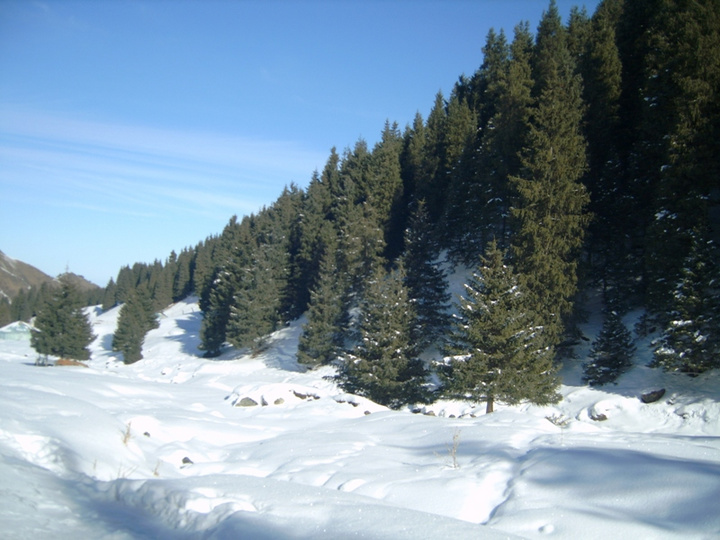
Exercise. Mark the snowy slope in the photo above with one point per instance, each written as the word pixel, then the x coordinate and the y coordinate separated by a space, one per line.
pixel 162 449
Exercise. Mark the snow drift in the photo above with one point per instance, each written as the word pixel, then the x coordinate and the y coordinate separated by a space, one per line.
pixel 177 446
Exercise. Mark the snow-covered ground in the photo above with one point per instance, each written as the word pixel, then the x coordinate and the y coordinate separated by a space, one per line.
pixel 162 449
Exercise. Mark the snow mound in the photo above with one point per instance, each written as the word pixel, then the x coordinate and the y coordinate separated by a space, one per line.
pixel 258 446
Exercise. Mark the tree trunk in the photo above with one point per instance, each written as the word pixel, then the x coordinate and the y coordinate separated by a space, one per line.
pixel 490 405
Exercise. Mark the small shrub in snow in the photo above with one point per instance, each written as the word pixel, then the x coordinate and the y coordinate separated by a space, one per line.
pixel 611 353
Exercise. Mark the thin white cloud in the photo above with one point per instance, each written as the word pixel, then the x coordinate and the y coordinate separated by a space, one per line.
pixel 118 167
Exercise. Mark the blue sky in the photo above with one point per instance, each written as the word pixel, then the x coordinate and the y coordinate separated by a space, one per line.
pixel 132 128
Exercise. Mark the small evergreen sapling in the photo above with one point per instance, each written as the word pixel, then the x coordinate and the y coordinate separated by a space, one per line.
pixel 611 352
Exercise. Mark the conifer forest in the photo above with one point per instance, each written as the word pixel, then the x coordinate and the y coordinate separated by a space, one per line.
pixel 581 157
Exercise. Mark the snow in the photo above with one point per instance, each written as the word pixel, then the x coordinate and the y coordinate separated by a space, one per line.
pixel 164 449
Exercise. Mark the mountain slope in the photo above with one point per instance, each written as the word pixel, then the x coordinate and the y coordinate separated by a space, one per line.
pixel 16 275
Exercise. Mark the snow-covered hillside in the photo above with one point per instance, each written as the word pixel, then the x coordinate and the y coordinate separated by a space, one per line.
pixel 177 446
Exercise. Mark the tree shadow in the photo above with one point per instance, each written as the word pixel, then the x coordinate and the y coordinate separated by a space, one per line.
pixel 189 339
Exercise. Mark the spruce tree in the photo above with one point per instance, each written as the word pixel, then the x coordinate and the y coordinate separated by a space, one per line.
pixel 137 318
pixel 109 295
pixel 431 184
pixel 611 353
pixel 61 327
pixel 457 179
pixel 426 281
pixel 615 219
pixel 383 366
pixel 550 213
pixel 254 309
pixel 321 339
pixel 413 158
pixel 691 340
pixel 498 352
pixel 232 256
pixel 502 144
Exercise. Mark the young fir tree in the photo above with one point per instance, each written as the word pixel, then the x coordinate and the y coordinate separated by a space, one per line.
pixel 61 327
pixel 426 282
pixel 137 318
pixel 611 353
pixel 383 366
pixel 550 213
pixel 691 341
pixel 321 339
pixel 498 353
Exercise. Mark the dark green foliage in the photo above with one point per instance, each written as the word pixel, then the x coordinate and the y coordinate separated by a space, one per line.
pixel 616 115
pixel 611 353
pixel 430 184
pixel 383 366
pixel 691 341
pixel 232 257
pixel 108 301
pixel 5 312
pixel 550 214
pixel 316 231
pixel 137 318
pixel 426 282
pixel 681 157
pixel 386 188
pixel 498 352
pixel 62 328
pixel 254 309
pixel 321 339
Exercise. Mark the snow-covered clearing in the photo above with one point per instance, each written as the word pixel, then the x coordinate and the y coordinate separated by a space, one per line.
pixel 161 449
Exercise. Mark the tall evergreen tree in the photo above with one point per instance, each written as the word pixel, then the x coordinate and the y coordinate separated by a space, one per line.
pixel 386 188
pixel 457 173
pixel 316 231
pixel 550 214
pixel 109 295
pixel 610 232
pixel 232 258
pixel 431 184
pixel 426 281
pixel 384 366
pixel 498 352
pixel 504 139
pixel 321 340
pixel 137 318
pixel 413 158
pixel 62 328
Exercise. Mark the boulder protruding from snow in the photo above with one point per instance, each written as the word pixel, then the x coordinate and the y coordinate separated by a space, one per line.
pixel 653 396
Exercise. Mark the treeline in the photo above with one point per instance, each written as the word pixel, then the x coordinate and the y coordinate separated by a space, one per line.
pixel 583 156
pixel 587 153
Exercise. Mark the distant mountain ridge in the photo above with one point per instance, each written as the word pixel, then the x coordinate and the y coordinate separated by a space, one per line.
pixel 16 275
